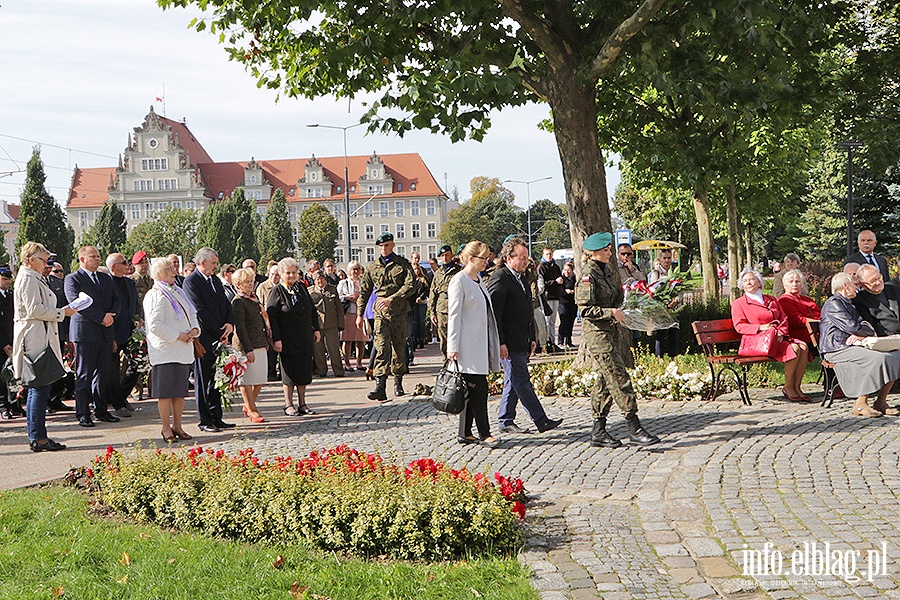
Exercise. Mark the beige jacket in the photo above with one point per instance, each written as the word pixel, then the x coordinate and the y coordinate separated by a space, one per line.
pixel 35 311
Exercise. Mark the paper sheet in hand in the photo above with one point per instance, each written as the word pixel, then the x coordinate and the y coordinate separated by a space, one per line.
pixel 81 302
pixel 882 344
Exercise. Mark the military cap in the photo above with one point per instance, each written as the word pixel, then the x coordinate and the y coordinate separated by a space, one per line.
pixel 598 241
pixel 511 236
pixel 460 249
pixel 445 248
pixel 387 236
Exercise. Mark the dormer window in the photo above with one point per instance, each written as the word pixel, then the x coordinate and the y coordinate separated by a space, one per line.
pixel 253 179
pixel 313 176
pixel 374 173
pixel 153 143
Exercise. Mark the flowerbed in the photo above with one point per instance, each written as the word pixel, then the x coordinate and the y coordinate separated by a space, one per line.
pixel 337 499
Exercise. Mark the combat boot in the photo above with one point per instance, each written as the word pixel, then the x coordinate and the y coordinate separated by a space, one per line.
pixel 379 393
pixel 398 385
pixel 638 434
pixel 600 437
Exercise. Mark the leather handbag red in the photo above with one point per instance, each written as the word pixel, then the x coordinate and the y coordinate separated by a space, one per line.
pixel 759 344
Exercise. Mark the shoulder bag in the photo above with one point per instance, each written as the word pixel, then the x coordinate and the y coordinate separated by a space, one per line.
pixel 450 390
pixel 43 370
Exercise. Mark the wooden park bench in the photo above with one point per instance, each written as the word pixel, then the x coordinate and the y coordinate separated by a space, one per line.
pixel 711 335
pixel 827 375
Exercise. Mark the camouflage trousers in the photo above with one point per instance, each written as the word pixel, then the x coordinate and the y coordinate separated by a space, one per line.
pixel 613 383
pixel 442 323
pixel 389 345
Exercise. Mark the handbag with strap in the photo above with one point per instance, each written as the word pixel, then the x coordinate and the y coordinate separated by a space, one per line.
pixel 450 390
pixel 199 350
pixel 43 370
pixel 759 344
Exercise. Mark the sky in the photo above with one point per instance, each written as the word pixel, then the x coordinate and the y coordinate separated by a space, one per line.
pixel 79 75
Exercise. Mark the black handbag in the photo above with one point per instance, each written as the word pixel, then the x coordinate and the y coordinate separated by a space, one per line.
pixel 450 390
pixel 43 370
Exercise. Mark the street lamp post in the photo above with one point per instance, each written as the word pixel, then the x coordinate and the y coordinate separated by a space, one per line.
pixel 849 147
pixel 346 182
pixel 528 195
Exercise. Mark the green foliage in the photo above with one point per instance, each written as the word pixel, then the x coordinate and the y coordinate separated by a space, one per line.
pixel 41 219
pixel 246 224
pixel 55 542
pixel 337 500
pixel 276 235
pixel 216 228
pixel 824 223
pixel 108 233
pixel 172 231
pixel 489 216
pixel 317 233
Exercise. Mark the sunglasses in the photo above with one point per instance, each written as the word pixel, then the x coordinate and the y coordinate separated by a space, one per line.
pixel 626 253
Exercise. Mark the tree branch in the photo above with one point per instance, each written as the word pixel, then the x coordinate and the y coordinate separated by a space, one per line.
pixel 556 50
pixel 624 32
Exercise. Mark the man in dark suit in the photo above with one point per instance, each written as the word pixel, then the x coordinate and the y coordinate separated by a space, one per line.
pixel 513 311
pixel 92 332
pixel 866 242
pixel 216 318
pixel 7 411
pixel 879 304
pixel 127 293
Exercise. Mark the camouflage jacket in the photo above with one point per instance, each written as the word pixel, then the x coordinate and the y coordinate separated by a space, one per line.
pixel 598 292
pixel 437 299
pixel 393 280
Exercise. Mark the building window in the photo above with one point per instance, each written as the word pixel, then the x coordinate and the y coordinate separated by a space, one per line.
pixel 370 232
pixel 401 250
pixel 384 209
pixel 314 192
pixel 354 252
pixel 369 210
pixel 340 233
pixel 135 212
pixel 96 215
pixel 414 208
pixel 432 252
pixel 162 206
pixel 257 195
pixel 292 213
pixel 400 231
pixel 261 211
pixel 432 230
pixel 370 254
pixel 399 187
pixel 143 185
pixel 375 189
pixel 190 204
pixel 385 228
pixel 354 233
pixel 337 210
pixel 399 209
pixel 354 207
pixel 149 210
pixel 430 207
pixel 338 189
pixel 416 230
pixel 417 250
pixel 178 204
pixel 167 184
pixel 313 176
pixel 412 186
pixel 352 189
pixel 339 255
pixel 83 219
pixel 154 164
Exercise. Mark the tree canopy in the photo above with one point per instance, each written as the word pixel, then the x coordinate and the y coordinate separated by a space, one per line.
pixel 488 216
pixel 317 233
pixel 276 234
pixel 41 219
pixel 172 231
pixel 109 232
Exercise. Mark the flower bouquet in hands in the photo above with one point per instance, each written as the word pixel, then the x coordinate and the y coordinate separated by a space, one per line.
pixel 645 310
pixel 230 367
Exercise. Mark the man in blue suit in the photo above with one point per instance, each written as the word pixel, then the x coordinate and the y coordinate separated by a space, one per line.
pixel 129 310
pixel 216 318
pixel 92 332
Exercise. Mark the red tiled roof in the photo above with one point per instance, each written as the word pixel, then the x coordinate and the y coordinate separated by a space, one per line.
pixel 188 141
pixel 90 187
pixel 13 210
pixel 405 169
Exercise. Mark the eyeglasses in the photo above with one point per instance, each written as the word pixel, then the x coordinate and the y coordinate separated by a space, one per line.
pixel 626 253
pixel 56 271
pixel 484 258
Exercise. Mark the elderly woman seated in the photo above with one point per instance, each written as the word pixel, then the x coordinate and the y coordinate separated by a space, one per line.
pixel 755 312
pixel 797 307
pixel 861 371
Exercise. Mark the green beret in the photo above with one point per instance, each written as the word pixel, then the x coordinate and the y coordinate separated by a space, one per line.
pixel 445 248
pixel 460 249
pixel 509 237
pixel 387 236
pixel 598 241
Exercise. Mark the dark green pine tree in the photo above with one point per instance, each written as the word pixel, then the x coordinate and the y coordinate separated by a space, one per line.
pixel 216 228
pixel 41 218
pixel 108 233
pixel 246 223
pixel 316 233
pixel 276 235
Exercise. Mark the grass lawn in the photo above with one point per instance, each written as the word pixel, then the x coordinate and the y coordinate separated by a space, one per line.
pixel 54 546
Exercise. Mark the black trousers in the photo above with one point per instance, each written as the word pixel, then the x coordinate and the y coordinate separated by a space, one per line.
pixel 209 400
pixel 476 407
pixel 567 313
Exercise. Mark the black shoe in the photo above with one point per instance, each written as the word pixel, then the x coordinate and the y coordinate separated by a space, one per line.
pixel 549 424
pixel 107 417
pixel 465 440
pixel 85 422
pixel 224 425
pixel 48 446
pixel 210 428
pixel 513 428
pixel 600 438
pixel 379 393
pixel 6 415
pixel 638 434
pixel 58 406
pixel 16 409
pixel 398 386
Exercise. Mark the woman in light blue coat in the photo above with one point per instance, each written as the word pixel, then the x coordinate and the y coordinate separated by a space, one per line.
pixel 473 341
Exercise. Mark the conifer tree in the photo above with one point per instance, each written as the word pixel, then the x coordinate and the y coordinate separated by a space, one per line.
pixel 276 235
pixel 41 218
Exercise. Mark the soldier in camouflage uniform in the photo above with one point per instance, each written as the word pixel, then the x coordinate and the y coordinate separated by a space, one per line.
pixel 437 299
pixel 391 279
pixel 599 294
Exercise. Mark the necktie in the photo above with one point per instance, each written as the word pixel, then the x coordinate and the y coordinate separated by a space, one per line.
pixel 522 285
pixel 871 260
pixel 212 284
pixel 95 279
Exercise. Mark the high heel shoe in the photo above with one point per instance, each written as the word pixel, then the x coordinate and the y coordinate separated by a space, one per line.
pixel 182 434
pixel 291 411
pixel 245 410
pixel 169 438
pixel 256 418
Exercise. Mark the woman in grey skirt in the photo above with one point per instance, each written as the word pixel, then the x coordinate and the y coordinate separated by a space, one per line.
pixel 171 324
pixel 861 371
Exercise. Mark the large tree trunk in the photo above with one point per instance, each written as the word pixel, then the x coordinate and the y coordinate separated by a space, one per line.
pixel 734 237
pixel 707 245
pixel 748 246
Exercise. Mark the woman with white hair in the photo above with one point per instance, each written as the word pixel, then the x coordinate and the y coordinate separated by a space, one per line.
pixel 861 371
pixel 755 312
pixel 171 324
pixel 348 291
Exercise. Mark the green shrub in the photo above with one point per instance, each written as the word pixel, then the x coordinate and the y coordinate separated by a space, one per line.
pixel 338 499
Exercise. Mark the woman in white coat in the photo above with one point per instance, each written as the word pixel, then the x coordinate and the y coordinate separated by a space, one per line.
pixel 473 341
pixel 35 330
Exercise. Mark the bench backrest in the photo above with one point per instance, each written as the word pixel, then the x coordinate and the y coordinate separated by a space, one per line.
pixel 710 333
pixel 812 326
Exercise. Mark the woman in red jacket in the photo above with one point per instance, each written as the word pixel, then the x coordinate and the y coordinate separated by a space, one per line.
pixel 797 308
pixel 755 312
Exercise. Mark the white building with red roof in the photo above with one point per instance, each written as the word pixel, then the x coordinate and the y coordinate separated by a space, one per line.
pixel 164 166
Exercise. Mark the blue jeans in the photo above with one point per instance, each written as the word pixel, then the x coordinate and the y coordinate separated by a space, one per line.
pixel 36 412
pixel 517 386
